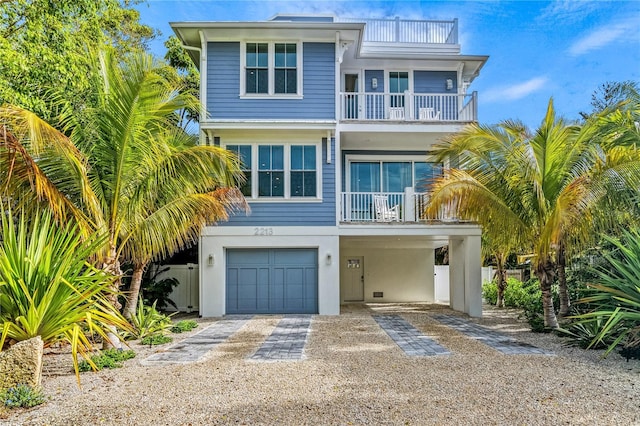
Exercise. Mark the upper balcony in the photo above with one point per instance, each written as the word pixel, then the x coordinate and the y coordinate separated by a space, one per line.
pixel 407 106
pixel 414 35
pixel 408 31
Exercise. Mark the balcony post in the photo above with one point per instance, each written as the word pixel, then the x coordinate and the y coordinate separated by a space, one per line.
pixel 408 106
pixel 397 29
pixel 409 209
pixel 475 105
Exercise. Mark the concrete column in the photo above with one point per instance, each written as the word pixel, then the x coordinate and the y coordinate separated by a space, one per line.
pixel 431 288
pixel 472 276
pixel 409 210
pixel 456 274
pixel 212 278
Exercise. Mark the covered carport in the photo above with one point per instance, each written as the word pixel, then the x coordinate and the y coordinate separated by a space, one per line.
pixel 395 263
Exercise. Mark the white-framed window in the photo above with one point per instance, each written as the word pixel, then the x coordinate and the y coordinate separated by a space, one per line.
pixel 271 69
pixel 244 154
pixel 280 171
pixel 391 174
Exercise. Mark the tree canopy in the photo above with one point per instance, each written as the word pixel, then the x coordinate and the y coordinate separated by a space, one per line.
pixel 48 48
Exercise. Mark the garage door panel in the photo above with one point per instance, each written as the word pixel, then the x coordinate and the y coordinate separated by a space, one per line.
pixel 272 281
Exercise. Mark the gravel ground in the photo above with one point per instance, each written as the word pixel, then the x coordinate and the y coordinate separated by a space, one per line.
pixel 352 374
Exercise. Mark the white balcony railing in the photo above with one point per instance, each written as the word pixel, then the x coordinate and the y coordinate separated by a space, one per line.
pixel 408 31
pixel 407 106
pixel 389 207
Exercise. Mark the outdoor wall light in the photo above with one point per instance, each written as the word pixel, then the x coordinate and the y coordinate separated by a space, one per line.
pixel 449 84
pixel 374 83
pixel 211 260
pixel 328 259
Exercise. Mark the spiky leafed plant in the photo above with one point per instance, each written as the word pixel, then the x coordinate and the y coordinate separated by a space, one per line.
pixel 47 286
pixel 540 189
pixel 144 182
pixel 616 294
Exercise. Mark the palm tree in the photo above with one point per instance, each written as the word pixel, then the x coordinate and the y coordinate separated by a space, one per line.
pixel 542 190
pixel 127 170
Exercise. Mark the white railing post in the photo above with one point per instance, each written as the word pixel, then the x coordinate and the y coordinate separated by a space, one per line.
pixel 409 208
pixel 408 106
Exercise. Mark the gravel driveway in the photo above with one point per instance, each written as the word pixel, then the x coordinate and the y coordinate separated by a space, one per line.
pixel 352 372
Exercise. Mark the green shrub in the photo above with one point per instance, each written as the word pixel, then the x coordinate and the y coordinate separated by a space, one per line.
pixel 148 321
pixel 490 292
pixel 183 326
pixel 111 358
pixel 23 396
pixel 156 339
pixel 516 295
pixel 519 294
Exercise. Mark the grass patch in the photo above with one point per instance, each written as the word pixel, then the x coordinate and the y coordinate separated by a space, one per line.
pixel 184 326
pixel 156 339
pixel 111 358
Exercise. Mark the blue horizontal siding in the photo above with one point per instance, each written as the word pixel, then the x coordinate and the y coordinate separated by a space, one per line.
pixel 291 213
pixel 434 81
pixel 223 86
pixel 368 75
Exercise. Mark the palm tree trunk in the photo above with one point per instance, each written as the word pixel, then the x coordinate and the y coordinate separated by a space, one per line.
pixel 112 265
pixel 134 291
pixel 502 280
pixel 545 272
pixel 565 300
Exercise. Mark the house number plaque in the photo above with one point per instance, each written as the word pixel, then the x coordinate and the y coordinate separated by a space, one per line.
pixel 263 232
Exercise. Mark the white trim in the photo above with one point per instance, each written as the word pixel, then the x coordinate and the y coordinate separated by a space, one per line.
pixel 269 124
pixel 249 231
pixel 271 50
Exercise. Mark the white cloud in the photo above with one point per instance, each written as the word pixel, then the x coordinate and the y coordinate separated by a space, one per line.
pixel 569 11
pixel 604 36
pixel 515 91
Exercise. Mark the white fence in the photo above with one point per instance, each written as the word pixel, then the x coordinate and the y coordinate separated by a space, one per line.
pixel 186 294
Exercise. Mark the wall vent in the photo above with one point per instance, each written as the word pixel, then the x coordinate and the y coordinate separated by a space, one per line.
pixel 377 294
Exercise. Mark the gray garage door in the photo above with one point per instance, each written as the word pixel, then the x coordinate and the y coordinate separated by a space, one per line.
pixel 272 281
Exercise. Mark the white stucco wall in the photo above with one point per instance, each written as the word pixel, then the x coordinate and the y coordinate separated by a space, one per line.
pixel 403 275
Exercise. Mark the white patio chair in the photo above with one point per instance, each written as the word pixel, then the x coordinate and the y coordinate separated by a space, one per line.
pixel 428 114
pixel 384 213
pixel 396 113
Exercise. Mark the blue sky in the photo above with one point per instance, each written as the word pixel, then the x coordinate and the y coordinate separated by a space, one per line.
pixel 560 49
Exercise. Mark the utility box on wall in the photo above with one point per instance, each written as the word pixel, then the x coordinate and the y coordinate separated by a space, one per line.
pixel 186 294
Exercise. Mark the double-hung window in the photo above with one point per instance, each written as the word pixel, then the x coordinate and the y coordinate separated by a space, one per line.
pixel 303 171
pixel 271 69
pixel 271 171
pixel 244 154
pixel 257 68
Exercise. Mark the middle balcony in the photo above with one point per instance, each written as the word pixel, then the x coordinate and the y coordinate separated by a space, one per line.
pixel 407 106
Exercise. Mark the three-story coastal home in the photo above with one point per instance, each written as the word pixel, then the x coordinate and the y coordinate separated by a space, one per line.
pixel 333 120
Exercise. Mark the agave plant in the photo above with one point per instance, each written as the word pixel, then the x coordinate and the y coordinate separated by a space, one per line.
pixel 48 288
pixel 616 293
